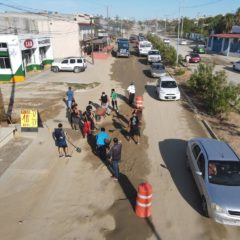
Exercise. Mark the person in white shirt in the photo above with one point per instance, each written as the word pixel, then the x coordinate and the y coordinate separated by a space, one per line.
pixel 131 93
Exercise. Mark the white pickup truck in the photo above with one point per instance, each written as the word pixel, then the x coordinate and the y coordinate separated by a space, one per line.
pixel 144 47
pixel 153 56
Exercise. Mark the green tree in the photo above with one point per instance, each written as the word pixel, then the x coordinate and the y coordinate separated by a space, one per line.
pixel 229 21
pixel 218 95
pixel 237 16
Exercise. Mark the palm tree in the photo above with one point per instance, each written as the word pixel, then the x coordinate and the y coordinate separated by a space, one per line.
pixel 229 22
pixel 237 16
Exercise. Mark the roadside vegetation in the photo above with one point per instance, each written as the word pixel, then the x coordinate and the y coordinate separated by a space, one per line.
pixel 168 52
pixel 219 96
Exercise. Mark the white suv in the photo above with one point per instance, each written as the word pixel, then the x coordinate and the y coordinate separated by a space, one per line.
pixel 153 56
pixel 75 64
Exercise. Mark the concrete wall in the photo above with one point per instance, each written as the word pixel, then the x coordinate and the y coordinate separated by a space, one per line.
pixel 66 30
pixel 65 37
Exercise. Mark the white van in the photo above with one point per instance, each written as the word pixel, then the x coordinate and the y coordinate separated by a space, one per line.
pixel 144 47
pixel 167 88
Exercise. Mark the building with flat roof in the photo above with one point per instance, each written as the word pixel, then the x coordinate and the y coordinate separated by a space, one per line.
pixel 226 43
pixel 30 40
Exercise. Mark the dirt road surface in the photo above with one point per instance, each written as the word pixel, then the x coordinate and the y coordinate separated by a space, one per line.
pixel 44 197
pixel 176 202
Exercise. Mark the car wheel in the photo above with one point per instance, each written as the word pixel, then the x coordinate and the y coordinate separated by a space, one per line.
pixel 77 69
pixel 234 68
pixel 55 69
pixel 204 207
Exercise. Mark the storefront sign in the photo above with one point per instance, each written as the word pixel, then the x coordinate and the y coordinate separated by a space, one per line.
pixel 28 43
pixel 29 118
pixel 44 41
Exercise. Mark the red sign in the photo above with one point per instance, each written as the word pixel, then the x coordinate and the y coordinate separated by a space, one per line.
pixel 28 43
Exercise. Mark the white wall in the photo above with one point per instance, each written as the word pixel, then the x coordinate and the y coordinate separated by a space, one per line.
pixel 64 37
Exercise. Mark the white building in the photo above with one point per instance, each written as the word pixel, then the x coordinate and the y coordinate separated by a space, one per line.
pixel 41 37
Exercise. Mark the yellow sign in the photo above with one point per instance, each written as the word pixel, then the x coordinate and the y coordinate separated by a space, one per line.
pixel 29 118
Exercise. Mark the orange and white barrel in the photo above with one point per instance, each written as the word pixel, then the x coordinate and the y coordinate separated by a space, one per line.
pixel 144 200
pixel 139 102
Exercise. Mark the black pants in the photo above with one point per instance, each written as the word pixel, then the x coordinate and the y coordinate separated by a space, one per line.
pixel 131 98
pixel 114 105
pixel 102 152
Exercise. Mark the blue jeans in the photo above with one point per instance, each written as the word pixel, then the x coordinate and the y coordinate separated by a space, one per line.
pixel 69 103
pixel 115 168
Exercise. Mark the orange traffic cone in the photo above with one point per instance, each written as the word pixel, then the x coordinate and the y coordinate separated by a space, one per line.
pixel 144 200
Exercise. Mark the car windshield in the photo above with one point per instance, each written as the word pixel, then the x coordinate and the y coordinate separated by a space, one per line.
pixel 168 84
pixel 224 172
pixel 194 55
pixel 153 53
pixel 123 44
pixel 158 66
pixel 145 45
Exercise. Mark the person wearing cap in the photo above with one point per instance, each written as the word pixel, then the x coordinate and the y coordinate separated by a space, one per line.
pixel 115 156
pixel 131 93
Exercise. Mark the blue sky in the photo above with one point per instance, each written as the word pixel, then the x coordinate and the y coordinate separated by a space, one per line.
pixel 138 9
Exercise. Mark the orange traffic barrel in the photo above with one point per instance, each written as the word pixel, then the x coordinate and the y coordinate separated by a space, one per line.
pixel 144 200
pixel 139 102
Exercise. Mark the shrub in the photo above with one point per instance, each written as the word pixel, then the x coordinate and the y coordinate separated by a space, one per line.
pixel 168 53
pixel 179 71
pixel 220 96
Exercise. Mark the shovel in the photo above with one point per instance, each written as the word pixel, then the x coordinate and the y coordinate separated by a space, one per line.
pixel 78 149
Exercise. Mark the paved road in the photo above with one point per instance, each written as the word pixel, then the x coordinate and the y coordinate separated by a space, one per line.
pixel 222 62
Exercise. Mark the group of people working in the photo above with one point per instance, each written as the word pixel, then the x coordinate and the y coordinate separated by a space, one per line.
pixel 86 121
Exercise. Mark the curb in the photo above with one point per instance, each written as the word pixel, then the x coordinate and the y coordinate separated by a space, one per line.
pixel 194 109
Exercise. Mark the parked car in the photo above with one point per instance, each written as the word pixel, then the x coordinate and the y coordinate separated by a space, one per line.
pixel 166 40
pixel 167 88
pixel 157 70
pixel 236 65
pixel 153 56
pixel 199 49
pixel 183 42
pixel 144 47
pixel 133 38
pixel 216 171
pixel 194 58
pixel 75 64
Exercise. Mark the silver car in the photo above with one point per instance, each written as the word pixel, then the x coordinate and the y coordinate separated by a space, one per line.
pixel 216 171
pixel 157 70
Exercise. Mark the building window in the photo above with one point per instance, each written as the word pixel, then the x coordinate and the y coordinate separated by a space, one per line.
pixel 3 45
pixel 5 62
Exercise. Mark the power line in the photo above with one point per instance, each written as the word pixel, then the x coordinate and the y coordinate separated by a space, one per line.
pixel 202 5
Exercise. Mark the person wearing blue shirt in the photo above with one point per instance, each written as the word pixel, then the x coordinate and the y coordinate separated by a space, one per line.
pixel 101 138
pixel 70 97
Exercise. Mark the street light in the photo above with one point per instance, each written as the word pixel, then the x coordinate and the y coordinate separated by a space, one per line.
pixel 91 23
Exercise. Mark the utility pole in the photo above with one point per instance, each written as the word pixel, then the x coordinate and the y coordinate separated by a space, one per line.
pixel 165 25
pixel 92 55
pixel 181 28
pixel 107 22
pixel 178 31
